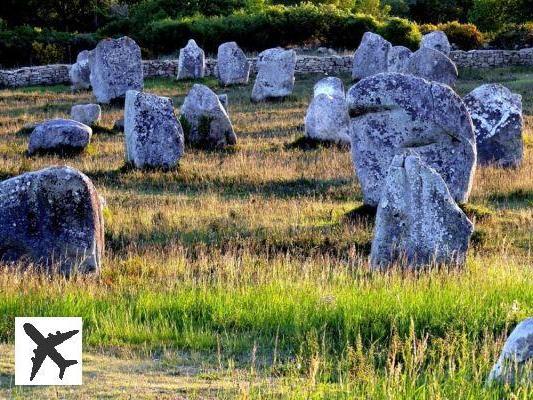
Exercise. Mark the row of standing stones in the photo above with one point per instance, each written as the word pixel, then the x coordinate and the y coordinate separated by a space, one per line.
pixel 415 144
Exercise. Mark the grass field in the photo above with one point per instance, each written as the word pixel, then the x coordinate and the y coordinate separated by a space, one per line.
pixel 244 273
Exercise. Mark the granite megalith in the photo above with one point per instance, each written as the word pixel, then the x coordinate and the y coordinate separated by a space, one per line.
pixel 371 56
pixel 62 136
pixel 232 65
pixel 191 61
pixel 275 76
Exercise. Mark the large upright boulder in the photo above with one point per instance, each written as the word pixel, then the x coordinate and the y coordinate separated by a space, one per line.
pixel 498 124
pixel 62 136
pixel 392 112
pixel 207 122
pixel 436 40
pixel 116 67
pixel 275 76
pixel 432 65
pixel 331 85
pixel 327 119
pixel 417 221
pixel 398 58
pixel 191 61
pixel 154 137
pixel 88 114
pixel 52 217
pixel 515 364
pixel 80 72
pixel 370 58
pixel 232 65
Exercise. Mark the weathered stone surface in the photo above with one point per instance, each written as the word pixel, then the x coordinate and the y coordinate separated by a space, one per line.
pixel 327 119
pixel 275 77
pixel 515 362
pixel 88 114
pixel 370 58
pixel 118 125
pixel 191 61
pixel 417 221
pixel 154 137
pixel 436 40
pixel 432 65
pixel 393 112
pixel 116 67
pixel 80 72
pixel 331 86
pixel 208 124
pixel 398 58
pixel 498 124
pixel 223 100
pixel 232 65
pixel 59 136
pixel 52 217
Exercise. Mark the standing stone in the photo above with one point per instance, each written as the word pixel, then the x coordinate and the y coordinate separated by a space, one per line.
pixel 331 86
pixel 52 217
pixel 417 221
pixel 370 58
pixel 80 72
pixel 432 65
pixel 223 100
pixel 191 61
pixel 515 362
pixel 232 65
pixel 116 67
pixel 208 124
pixel 398 58
pixel 392 112
pixel 275 77
pixel 328 120
pixel 436 40
pixel 154 137
pixel 498 124
pixel 88 114
pixel 61 136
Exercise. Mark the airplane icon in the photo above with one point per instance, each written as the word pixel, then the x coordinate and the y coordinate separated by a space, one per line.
pixel 46 348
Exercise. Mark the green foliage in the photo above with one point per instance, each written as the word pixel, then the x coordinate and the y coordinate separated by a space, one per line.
pixel 492 15
pixel 401 32
pixel 511 36
pixel 465 36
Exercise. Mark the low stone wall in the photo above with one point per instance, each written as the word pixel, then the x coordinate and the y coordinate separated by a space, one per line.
pixel 56 74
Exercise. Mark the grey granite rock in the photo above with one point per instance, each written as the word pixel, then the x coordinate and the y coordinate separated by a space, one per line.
pixel 80 72
pixel 232 65
pixel 327 119
pixel 59 136
pixel 52 217
pixel 371 56
pixel 436 40
pixel 223 100
pixel 498 124
pixel 392 112
pixel 154 137
pixel 432 65
pixel 275 77
pixel 191 61
pixel 332 86
pixel 88 114
pixel 398 59
pixel 119 125
pixel 417 221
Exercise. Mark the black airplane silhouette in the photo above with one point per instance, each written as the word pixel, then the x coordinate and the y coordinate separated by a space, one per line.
pixel 46 347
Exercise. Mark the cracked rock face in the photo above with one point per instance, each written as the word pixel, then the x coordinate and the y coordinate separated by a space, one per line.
pixel 208 122
pixel 116 67
pixel 327 119
pixel 154 137
pixel 393 112
pixel 370 58
pixel 191 61
pixel 88 114
pixel 514 363
pixel 436 40
pixel 59 136
pixel 331 86
pixel 52 217
pixel 498 124
pixel 232 65
pixel 432 65
pixel 417 221
pixel 398 58
pixel 80 72
pixel 275 76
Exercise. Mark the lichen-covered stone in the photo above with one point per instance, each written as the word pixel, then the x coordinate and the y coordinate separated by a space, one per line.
pixel 370 58
pixel 417 221
pixel 191 61
pixel 398 58
pixel 154 137
pixel 232 65
pixel 275 77
pixel 392 112
pixel 327 119
pixel 498 124
pixel 515 364
pixel 80 72
pixel 436 40
pixel 88 114
pixel 208 124
pixel 432 65
pixel 332 86
pixel 52 217
pixel 59 136
pixel 116 67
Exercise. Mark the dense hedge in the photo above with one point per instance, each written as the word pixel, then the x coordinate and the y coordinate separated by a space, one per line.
pixel 464 36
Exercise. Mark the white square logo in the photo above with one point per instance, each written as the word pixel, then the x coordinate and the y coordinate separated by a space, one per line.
pixel 48 351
